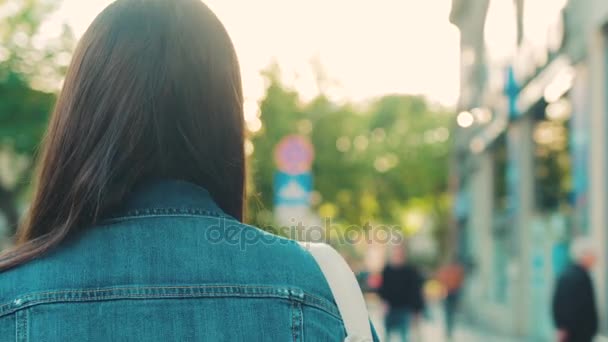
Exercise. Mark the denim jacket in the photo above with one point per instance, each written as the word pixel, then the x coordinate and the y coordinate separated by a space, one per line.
pixel 170 266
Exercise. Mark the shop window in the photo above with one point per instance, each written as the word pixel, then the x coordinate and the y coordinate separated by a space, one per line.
pixel 500 159
pixel 552 159
pixel 501 225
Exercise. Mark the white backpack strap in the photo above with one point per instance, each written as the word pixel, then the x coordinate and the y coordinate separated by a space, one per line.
pixel 345 289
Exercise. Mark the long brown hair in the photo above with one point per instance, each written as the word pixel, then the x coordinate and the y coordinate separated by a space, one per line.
pixel 153 91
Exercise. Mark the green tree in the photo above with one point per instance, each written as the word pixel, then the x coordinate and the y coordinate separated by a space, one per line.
pixel 280 113
pixel 373 163
pixel 31 68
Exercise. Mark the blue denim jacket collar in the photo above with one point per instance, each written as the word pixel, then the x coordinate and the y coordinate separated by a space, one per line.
pixel 168 197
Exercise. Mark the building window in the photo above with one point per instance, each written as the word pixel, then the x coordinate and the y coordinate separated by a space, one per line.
pixel 500 159
pixel 501 225
pixel 552 164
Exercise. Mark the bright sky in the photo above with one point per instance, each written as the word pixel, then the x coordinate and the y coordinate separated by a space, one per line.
pixel 366 47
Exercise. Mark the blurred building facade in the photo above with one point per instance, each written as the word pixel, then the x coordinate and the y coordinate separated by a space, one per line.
pixel 530 159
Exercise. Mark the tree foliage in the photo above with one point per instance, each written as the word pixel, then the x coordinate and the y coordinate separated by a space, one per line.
pixel 31 68
pixel 374 162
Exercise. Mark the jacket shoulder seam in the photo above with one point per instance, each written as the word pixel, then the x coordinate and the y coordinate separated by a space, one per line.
pixel 165 212
pixel 167 292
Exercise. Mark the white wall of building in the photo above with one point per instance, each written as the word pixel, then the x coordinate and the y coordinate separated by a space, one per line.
pixel 598 150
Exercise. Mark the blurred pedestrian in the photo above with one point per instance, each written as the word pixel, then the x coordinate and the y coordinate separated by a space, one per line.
pixel 574 308
pixel 401 290
pixel 451 276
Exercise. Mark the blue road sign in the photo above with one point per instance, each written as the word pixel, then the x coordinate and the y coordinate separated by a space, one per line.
pixel 292 190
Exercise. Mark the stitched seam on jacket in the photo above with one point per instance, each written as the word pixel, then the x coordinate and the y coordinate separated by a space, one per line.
pixel 21 326
pixel 166 212
pixel 293 321
pixel 296 321
pixel 164 292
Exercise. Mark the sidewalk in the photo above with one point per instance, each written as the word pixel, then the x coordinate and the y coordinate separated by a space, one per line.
pixel 431 330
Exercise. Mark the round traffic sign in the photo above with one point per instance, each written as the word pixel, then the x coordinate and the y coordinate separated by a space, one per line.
pixel 294 154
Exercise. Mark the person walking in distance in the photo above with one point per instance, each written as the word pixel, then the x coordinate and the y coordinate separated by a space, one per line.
pixel 574 308
pixel 401 290
pixel 451 276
